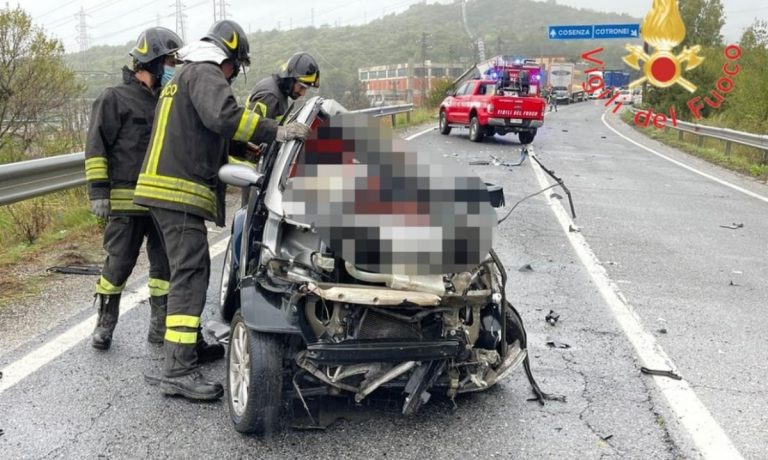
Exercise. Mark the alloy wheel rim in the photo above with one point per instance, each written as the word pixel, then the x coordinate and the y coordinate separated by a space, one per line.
pixel 239 369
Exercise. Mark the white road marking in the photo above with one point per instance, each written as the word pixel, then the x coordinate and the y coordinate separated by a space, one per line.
pixel 683 165
pixel 414 136
pixel 47 352
pixel 707 435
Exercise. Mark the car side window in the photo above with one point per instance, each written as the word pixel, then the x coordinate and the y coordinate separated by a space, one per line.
pixel 464 89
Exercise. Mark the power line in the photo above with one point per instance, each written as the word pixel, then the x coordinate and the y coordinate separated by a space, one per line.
pixel 57 8
pixel 65 19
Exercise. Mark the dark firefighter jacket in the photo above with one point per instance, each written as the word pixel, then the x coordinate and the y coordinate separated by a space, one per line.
pixel 268 99
pixel 196 118
pixel 118 135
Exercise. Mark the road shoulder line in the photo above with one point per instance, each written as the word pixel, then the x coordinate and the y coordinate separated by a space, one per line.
pixel 685 166
pixel 20 369
pixel 706 433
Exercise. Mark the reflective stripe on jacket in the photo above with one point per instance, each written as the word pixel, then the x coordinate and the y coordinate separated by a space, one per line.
pixel 195 120
pixel 268 99
pixel 118 135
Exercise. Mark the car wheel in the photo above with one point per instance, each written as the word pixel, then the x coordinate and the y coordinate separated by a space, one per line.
pixel 254 379
pixel 475 130
pixel 229 298
pixel 443 124
pixel 526 137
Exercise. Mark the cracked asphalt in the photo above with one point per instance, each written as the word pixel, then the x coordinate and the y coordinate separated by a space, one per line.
pixel 654 227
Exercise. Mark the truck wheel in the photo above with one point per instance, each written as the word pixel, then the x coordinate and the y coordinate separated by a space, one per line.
pixel 254 379
pixel 475 130
pixel 229 297
pixel 526 137
pixel 443 124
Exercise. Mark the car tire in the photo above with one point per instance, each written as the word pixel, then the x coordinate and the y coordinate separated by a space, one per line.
pixel 254 379
pixel 475 130
pixel 229 295
pixel 443 126
pixel 526 137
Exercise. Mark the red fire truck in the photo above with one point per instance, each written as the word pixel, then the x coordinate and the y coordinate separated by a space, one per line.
pixel 498 96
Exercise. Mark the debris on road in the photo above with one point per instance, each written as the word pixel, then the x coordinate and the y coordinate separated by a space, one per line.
pixel 573 229
pixel 660 373
pixel 76 269
pixel 526 268
pixel 733 284
pixel 479 163
pixel 606 438
pixel 1 432
pixel 662 330
pixel 552 343
pixel 218 330
pixel 733 226
pixel 552 317
pixel 556 196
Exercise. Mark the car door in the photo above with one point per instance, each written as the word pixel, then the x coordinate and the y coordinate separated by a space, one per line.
pixel 462 102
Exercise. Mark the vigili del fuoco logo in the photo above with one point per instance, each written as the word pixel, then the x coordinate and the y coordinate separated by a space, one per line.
pixel 663 29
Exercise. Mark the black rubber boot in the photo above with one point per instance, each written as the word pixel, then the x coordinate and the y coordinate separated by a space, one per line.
pixel 208 352
pixel 182 378
pixel 109 311
pixel 158 306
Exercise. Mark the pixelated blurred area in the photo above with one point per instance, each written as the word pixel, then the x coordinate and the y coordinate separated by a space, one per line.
pixel 383 206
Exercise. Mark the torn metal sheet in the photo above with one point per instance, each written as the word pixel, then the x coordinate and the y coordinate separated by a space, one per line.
pixel 366 296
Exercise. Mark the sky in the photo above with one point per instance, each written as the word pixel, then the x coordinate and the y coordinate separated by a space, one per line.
pixel 113 22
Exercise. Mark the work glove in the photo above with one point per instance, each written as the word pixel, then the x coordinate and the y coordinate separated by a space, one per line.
pixel 293 130
pixel 100 207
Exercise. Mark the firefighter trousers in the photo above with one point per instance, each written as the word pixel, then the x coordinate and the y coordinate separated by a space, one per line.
pixel 184 237
pixel 123 237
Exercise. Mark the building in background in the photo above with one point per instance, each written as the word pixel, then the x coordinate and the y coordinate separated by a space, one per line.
pixel 405 83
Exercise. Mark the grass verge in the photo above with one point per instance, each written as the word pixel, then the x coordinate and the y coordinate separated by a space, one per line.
pixel 745 160
pixel 56 229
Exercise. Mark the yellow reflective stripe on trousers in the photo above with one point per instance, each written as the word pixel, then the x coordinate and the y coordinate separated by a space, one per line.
pixel 176 190
pixel 96 169
pixel 187 338
pixel 121 199
pixel 105 287
pixel 247 126
pixel 159 135
pixel 182 321
pixel 158 287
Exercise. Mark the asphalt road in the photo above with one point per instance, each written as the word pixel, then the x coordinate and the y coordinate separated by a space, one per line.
pixel 653 230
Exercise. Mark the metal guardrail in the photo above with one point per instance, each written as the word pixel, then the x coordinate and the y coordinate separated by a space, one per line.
pixel 391 110
pixel 29 179
pixel 729 136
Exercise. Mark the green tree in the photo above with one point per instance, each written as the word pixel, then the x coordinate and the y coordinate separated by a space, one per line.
pixel 703 21
pixel 755 37
pixel 34 82
pixel 749 99
pixel 438 92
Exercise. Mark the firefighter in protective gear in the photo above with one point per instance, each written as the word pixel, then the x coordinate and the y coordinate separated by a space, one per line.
pixel 118 135
pixel 269 97
pixel 195 120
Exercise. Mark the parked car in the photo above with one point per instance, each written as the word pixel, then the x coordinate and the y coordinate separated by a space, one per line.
pixel 625 97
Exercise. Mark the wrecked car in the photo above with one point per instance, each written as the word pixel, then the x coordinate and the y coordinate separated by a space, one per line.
pixel 321 310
